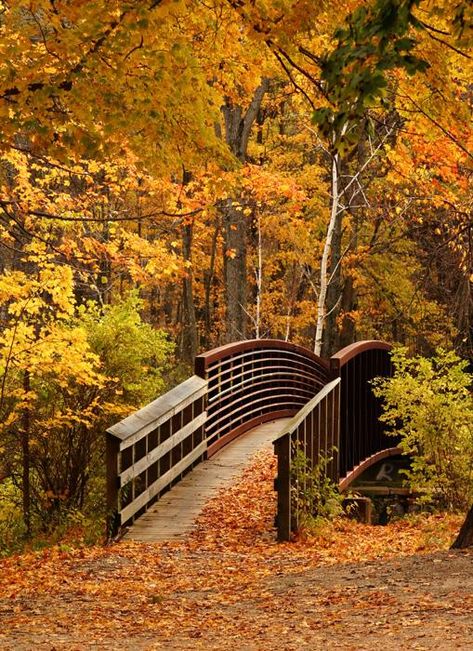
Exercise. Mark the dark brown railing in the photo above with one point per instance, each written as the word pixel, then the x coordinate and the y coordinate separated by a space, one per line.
pixel 314 431
pixel 345 414
pixel 361 432
pixel 250 382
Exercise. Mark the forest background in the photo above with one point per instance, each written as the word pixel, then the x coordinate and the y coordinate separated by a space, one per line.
pixel 177 175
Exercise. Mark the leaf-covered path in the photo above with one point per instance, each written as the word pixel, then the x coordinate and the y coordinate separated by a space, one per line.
pixel 230 586
pixel 173 516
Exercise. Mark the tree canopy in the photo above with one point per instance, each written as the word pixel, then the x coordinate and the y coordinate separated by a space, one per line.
pixel 175 174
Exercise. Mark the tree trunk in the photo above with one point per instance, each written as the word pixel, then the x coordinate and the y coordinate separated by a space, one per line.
pixel 209 275
pixel 189 324
pixel 334 290
pixel 324 275
pixel 347 333
pixel 259 281
pixel 234 230
pixel 238 127
pixel 465 535
pixel 26 457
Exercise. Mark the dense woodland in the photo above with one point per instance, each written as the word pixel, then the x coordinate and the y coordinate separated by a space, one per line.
pixel 175 175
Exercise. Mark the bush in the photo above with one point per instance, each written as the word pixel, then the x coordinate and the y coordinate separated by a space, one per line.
pixel 428 402
pixel 314 495
pixel 61 390
pixel 12 527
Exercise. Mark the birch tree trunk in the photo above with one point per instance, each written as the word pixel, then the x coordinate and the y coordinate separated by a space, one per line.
pixel 324 265
pixel 259 279
pixel 331 290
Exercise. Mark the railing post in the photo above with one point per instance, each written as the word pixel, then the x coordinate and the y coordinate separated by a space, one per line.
pixel 112 451
pixel 283 452
pixel 334 369
pixel 334 466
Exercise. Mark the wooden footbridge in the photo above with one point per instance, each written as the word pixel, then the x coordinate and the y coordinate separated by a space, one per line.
pixel 250 393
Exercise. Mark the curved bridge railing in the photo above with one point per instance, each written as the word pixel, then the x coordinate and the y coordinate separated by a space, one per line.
pixel 253 381
pixel 341 423
pixel 361 431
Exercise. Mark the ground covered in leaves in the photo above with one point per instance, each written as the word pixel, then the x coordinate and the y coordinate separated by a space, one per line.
pixel 231 586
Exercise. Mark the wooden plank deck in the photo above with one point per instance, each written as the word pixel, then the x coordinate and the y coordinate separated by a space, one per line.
pixel 173 517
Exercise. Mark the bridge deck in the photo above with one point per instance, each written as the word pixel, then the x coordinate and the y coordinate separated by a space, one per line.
pixel 173 517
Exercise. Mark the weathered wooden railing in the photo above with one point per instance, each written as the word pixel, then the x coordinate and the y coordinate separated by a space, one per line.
pixel 314 431
pixel 250 382
pixel 151 449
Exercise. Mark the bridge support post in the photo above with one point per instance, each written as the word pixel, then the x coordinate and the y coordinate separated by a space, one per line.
pixel 282 448
pixel 112 449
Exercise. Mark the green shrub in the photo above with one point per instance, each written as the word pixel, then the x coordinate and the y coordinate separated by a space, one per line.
pixel 12 527
pixel 314 495
pixel 428 402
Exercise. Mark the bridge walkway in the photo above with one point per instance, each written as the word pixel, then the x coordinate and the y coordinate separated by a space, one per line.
pixel 174 515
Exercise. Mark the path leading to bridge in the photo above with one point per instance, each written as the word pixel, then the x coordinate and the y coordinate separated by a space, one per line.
pixel 173 516
pixel 230 586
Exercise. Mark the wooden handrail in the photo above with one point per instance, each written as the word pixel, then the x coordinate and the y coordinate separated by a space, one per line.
pixel 150 449
pixel 344 355
pixel 314 430
pixel 203 361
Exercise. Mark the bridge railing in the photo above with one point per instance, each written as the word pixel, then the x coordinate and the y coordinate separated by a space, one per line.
pixel 314 430
pixel 251 382
pixel 151 449
pixel 361 432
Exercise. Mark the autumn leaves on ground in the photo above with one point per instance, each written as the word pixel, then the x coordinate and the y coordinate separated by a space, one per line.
pixel 231 586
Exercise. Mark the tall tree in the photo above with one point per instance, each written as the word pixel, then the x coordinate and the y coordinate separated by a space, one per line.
pixel 238 124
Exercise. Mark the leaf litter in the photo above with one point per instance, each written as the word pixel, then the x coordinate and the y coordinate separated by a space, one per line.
pixel 232 586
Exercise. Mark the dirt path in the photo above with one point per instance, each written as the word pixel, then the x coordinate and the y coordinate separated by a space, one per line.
pixel 421 602
pixel 232 587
